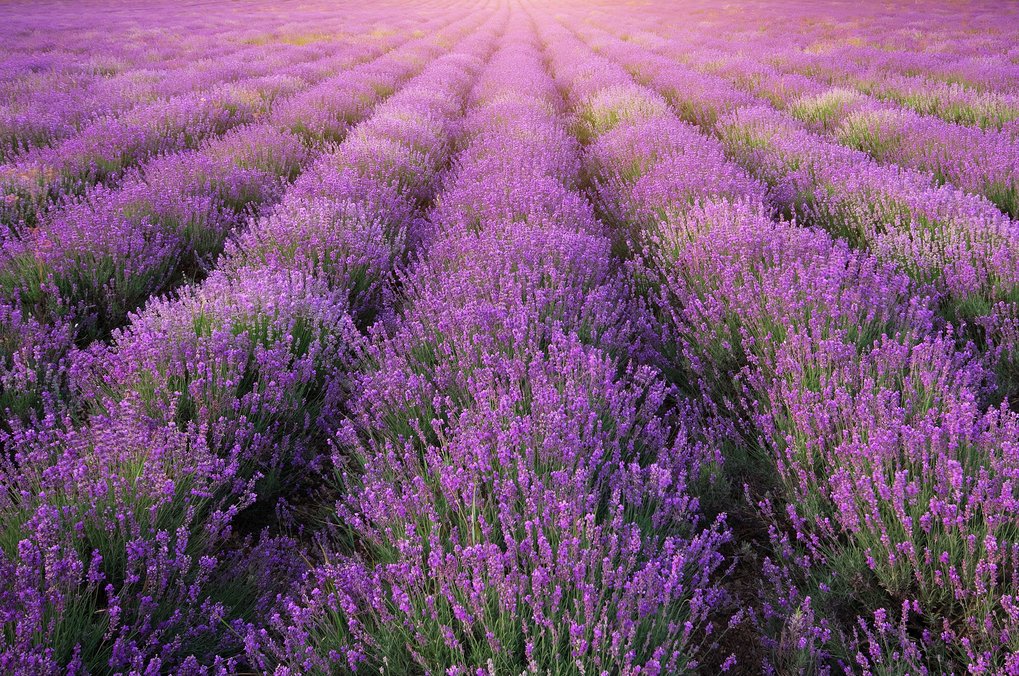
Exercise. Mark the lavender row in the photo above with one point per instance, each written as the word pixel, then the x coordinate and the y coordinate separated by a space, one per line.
pixel 178 357
pixel 78 276
pixel 951 102
pixel 42 108
pixel 977 90
pixel 118 40
pixel 198 195
pixel 75 278
pixel 354 218
pixel 960 245
pixel 975 47
pixel 516 501
pixel 896 487
pixel 126 545
pixel 104 149
pixel 985 162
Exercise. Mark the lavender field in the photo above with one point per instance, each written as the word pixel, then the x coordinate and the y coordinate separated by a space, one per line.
pixel 501 337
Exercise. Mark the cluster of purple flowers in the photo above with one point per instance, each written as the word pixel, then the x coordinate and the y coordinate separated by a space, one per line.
pixel 830 367
pixel 78 274
pixel 60 79
pixel 967 253
pixel 354 218
pixel 938 68
pixel 515 493
pixel 127 537
pixel 241 88
pixel 981 161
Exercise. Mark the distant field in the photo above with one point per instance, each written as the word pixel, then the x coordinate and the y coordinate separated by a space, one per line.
pixel 501 337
